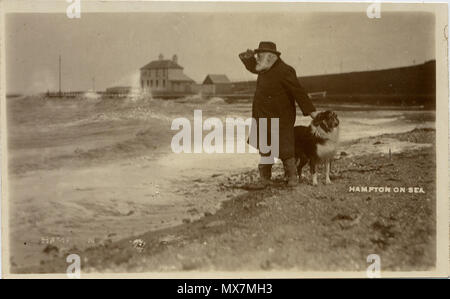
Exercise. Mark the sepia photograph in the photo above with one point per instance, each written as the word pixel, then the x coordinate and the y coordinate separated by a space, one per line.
pixel 188 139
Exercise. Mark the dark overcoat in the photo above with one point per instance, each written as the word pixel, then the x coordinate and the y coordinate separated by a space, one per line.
pixel 277 90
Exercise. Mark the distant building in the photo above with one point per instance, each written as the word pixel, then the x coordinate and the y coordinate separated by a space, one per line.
pixel 122 90
pixel 165 77
pixel 118 89
pixel 216 85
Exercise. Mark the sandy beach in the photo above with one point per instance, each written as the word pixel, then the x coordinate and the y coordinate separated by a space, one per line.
pixel 90 176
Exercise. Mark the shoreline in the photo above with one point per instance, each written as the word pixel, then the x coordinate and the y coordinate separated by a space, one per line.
pixel 176 247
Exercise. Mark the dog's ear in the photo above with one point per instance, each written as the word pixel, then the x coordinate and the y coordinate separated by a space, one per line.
pixel 330 114
pixel 318 119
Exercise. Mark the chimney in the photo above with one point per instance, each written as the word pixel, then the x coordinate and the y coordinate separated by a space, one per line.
pixel 161 57
pixel 175 58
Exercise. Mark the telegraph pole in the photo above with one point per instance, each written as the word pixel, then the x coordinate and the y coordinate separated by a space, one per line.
pixel 60 94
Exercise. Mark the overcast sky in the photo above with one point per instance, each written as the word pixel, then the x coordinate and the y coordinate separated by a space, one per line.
pixel 112 47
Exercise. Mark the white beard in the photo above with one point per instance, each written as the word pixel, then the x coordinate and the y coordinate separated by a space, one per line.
pixel 264 64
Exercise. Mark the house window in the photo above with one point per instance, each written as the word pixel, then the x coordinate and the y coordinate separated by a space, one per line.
pixel 151 83
pixel 156 83
pixel 142 83
pixel 147 83
pixel 164 83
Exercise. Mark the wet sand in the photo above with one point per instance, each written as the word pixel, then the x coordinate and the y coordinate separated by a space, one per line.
pixel 103 173
pixel 307 228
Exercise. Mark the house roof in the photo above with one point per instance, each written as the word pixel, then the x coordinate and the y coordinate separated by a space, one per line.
pixel 162 64
pixel 180 77
pixel 215 79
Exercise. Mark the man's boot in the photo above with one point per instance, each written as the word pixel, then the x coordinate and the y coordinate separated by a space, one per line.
pixel 265 173
pixel 290 171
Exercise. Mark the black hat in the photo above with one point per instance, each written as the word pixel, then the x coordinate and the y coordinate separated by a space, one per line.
pixel 267 47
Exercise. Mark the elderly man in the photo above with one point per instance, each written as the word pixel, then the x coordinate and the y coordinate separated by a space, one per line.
pixel 277 90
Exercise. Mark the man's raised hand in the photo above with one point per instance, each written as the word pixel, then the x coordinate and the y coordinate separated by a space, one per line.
pixel 248 54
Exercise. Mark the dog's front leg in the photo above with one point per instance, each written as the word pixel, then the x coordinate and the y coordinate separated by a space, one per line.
pixel 300 163
pixel 327 172
pixel 313 170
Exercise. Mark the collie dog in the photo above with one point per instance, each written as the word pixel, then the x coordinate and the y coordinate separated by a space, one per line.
pixel 317 143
